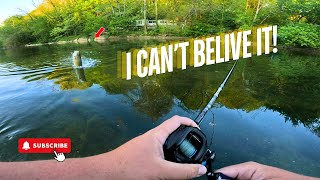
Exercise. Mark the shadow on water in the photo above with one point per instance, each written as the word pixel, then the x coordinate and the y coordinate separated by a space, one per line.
pixel 268 109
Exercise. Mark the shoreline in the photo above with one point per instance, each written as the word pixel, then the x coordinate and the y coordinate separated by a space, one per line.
pixel 300 50
pixel 104 39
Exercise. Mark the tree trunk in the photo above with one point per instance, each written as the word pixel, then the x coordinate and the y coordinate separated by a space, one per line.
pixel 156 4
pixel 145 16
pixel 247 4
pixel 257 11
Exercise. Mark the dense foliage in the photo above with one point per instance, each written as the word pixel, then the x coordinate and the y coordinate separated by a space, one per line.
pixel 300 34
pixel 56 19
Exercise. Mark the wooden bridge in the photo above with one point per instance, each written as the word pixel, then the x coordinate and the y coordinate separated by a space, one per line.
pixel 153 23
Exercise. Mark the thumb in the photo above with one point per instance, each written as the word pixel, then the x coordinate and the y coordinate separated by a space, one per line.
pixel 183 171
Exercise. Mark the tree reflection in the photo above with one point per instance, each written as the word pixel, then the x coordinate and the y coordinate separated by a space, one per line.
pixel 70 78
pixel 286 82
pixel 154 99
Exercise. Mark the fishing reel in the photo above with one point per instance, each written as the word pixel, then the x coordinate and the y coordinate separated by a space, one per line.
pixel 189 145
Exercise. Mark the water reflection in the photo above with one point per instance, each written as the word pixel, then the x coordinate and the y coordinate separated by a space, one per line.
pixel 286 83
pixel 80 74
pixel 99 111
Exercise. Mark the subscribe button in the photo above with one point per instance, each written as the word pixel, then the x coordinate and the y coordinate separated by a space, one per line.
pixel 44 145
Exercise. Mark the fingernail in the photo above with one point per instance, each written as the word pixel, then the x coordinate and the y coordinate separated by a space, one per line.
pixel 202 170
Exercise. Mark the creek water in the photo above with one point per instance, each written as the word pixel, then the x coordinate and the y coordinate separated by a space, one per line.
pixel 269 111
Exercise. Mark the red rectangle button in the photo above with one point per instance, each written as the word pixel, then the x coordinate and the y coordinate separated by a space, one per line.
pixel 44 145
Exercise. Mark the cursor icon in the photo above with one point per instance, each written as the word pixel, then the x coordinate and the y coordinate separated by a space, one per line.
pixel 59 156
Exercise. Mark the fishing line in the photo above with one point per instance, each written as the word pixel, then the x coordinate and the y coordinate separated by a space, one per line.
pixel 187 148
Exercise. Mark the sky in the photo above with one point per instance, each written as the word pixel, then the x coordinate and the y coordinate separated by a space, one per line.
pixel 10 7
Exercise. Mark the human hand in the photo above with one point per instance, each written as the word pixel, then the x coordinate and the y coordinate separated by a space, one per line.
pixel 255 171
pixel 143 157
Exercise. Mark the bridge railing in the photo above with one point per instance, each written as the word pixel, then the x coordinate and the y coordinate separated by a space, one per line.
pixel 153 23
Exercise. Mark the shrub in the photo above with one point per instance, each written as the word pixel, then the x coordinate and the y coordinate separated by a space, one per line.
pixel 12 36
pixel 300 35
pixel 200 29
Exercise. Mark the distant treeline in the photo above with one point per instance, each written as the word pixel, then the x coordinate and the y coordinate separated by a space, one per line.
pixel 59 19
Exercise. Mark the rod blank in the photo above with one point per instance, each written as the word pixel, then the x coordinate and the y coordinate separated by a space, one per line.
pixel 200 117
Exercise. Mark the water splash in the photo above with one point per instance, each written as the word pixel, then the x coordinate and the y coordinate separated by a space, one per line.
pixel 87 63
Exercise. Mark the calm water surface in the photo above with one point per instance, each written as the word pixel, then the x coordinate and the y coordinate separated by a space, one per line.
pixel 269 112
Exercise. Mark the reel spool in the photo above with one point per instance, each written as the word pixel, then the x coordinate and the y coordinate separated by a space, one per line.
pixel 187 145
pixel 187 148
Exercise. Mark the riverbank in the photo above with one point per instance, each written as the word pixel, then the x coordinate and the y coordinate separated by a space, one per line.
pixel 299 50
pixel 104 39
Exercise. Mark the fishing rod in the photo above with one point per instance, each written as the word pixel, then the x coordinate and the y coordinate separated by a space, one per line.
pixel 189 144
pixel 203 113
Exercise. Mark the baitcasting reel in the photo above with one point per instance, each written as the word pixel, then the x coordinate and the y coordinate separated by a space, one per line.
pixel 189 145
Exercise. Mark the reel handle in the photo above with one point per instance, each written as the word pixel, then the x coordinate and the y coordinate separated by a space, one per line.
pixel 218 176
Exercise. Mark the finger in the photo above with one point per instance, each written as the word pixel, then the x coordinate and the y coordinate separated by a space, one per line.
pixel 56 158
pixel 173 170
pixel 56 153
pixel 170 125
pixel 240 171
